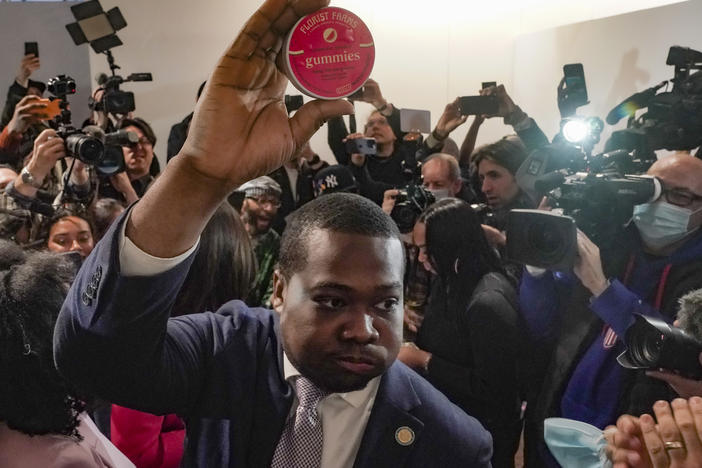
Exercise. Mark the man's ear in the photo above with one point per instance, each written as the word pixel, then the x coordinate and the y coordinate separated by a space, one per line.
pixel 279 289
pixel 457 185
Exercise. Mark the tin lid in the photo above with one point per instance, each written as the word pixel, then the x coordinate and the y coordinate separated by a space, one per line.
pixel 329 54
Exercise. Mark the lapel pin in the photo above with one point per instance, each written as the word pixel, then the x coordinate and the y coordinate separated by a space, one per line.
pixel 404 436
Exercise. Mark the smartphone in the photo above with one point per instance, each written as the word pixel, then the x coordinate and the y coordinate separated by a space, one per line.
pixel 364 146
pixel 52 109
pixel 489 84
pixel 415 120
pixel 478 105
pixel 31 48
pixel 574 76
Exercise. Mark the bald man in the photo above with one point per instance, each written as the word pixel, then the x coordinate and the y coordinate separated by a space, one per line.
pixel 441 175
pixel 583 318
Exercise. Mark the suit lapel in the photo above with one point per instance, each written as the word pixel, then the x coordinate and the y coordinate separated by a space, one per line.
pixel 273 407
pixel 392 432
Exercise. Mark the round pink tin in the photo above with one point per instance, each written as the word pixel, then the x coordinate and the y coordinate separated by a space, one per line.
pixel 329 54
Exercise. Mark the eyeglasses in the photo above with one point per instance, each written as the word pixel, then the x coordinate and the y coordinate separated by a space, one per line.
pixel 271 202
pixel 680 197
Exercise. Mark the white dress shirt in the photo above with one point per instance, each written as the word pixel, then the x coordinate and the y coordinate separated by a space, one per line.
pixel 344 415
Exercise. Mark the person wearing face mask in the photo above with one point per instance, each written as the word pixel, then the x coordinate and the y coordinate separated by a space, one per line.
pixel 584 317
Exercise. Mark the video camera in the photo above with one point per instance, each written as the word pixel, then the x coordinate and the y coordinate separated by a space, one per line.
pixel 597 193
pixel 673 119
pixel 116 101
pixel 90 145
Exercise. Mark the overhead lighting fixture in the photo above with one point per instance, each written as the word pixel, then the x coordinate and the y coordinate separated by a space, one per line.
pixel 95 26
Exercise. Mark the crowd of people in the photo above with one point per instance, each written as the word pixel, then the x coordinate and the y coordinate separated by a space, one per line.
pixel 253 305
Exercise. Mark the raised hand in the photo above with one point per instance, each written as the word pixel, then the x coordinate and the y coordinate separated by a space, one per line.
pixel 241 128
pixel 28 65
pixel 27 112
pixel 449 120
pixel 240 131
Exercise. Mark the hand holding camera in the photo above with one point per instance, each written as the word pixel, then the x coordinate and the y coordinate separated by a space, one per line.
pixel 120 181
pixel 505 105
pixel 27 112
pixel 370 93
pixel 450 120
pixel 588 266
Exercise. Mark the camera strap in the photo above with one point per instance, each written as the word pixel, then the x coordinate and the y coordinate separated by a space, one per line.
pixel 661 283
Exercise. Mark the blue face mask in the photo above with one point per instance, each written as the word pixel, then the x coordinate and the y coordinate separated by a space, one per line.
pixel 662 224
pixel 576 444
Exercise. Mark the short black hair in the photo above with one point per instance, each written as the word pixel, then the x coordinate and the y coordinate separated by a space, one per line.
pixel 36 399
pixel 337 212
pixel 142 125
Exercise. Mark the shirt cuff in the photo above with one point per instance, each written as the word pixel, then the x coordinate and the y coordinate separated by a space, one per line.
pixel 135 262
pixel 615 306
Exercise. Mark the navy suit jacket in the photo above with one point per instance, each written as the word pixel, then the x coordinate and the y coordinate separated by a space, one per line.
pixel 114 339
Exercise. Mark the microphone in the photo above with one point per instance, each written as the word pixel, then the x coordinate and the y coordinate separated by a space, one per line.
pixel 548 182
pixel 121 138
pixel 101 78
pixel 690 313
pixel 633 103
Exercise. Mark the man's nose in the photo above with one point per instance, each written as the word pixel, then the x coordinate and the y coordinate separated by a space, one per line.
pixel 359 328
pixel 486 186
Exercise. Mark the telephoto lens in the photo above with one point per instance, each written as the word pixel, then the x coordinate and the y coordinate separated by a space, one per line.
pixel 654 344
pixel 88 149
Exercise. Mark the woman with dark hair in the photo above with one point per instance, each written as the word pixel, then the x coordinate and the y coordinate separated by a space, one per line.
pixel 42 423
pixel 469 342
pixel 70 231
pixel 223 270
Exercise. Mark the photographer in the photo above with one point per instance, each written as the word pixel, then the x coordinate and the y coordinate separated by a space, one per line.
pixel 585 318
pixel 139 160
pixel 21 87
pixel 469 340
pixel 27 201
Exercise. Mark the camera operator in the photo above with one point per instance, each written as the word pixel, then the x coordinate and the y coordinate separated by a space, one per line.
pixel 130 185
pixel 27 201
pixel 584 318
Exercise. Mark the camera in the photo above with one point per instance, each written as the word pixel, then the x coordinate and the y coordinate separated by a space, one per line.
pixel 673 119
pixel 116 101
pixel 599 204
pixel 654 344
pixel 90 145
pixel 83 146
pixel 409 204
pixel 413 199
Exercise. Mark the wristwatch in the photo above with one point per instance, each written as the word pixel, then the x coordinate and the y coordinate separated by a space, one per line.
pixel 28 178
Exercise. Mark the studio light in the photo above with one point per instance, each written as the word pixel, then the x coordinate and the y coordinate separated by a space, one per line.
pixel 95 26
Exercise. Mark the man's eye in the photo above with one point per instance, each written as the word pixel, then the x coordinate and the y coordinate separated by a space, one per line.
pixel 331 302
pixel 387 305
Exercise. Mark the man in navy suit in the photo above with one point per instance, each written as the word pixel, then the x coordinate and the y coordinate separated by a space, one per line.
pixel 337 297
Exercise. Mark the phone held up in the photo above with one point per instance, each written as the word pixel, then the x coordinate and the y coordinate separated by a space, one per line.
pixel 31 48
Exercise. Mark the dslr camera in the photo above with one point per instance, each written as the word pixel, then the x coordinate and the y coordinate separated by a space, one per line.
pixel 413 199
pixel 90 145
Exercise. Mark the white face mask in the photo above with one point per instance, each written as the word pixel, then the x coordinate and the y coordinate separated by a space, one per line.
pixel 576 444
pixel 440 193
pixel 662 224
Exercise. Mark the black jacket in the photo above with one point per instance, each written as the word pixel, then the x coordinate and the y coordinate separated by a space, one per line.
pixel 475 354
pixel 177 136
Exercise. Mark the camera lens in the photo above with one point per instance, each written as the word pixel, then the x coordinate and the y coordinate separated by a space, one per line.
pixel 544 239
pixel 112 161
pixel 84 147
pixel 645 347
